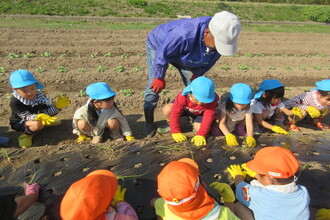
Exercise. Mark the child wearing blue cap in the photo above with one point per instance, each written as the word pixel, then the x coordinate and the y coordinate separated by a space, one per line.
pixel 315 103
pixel 31 109
pixel 267 107
pixel 100 112
pixel 235 114
pixel 199 101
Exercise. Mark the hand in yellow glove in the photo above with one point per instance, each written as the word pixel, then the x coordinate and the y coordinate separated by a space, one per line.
pixel 250 141
pixel 62 101
pixel 199 140
pixel 324 112
pixel 224 190
pixel 82 138
pixel 248 171
pixel 279 130
pixel 235 170
pixel 322 214
pixel 179 137
pixel 297 111
pixel 119 196
pixel 231 140
pixel 313 112
pixel 45 119
pixel 130 138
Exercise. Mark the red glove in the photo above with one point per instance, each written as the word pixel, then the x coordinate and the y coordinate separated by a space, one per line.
pixel 157 85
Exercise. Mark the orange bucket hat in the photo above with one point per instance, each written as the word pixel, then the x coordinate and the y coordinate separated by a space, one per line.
pixel 179 185
pixel 276 162
pixel 89 197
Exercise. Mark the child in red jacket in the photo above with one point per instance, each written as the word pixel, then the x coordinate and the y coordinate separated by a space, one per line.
pixel 199 101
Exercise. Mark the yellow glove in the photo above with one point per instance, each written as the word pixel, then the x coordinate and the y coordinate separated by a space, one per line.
pixel 62 101
pixel 224 190
pixel 250 141
pixel 297 111
pixel 324 112
pixel 45 119
pixel 179 137
pixel 235 170
pixel 199 140
pixel 322 214
pixel 231 140
pixel 119 196
pixel 130 138
pixel 248 171
pixel 313 112
pixel 279 130
pixel 82 138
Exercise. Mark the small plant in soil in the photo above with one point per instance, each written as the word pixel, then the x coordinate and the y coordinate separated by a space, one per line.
pixel 243 67
pixel 101 68
pixel 119 69
pixel 63 55
pixel 40 69
pixel 235 55
pixel 46 54
pixel 62 69
pixel 82 69
pixel 288 68
pixel 127 92
pixel 317 67
pixel 2 69
pixel 285 55
pixel 82 93
pixel 272 68
pixel 13 55
pixel 321 55
pixel 125 55
pixel 28 55
pixel 249 55
pixel 109 54
pixel 308 56
pixel 137 68
pixel 260 55
pixel 103 148
pixel 164 92
pixel 4 154
pixel 94 55
pixel 78 55
pixel 302 68
pixel 297 55
pixel 140 54
pixel 171 67
pixel 225 67
pixel 256 67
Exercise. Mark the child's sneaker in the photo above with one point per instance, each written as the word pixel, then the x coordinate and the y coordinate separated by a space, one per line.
pixel 292 127
pixel 163 130
pixel 319 124
pixel 25 141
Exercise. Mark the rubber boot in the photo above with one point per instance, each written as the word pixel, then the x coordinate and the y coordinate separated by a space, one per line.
pixel 25 140
pixel 164 130
pixel 150 130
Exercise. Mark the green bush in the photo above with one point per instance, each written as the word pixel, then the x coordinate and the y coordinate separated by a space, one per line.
pixel 317 13
pixel 137 3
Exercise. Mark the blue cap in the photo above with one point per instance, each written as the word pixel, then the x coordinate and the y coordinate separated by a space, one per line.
pixel 21 78
pixel 240 93
pixel 99 91
pixel 267 84
pixel 323 85
pixel 202 88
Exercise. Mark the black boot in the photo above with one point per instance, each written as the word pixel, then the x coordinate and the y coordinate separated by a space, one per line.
pixel 150 130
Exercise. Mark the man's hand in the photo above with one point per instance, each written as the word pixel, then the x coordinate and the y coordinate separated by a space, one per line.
pixel 179 137
pixel 313 112
pixel 224 190
pixel 231 140
pixel 199 140
pixel 158 85
pixel 279 130
pixel 62 101
pixel 45 119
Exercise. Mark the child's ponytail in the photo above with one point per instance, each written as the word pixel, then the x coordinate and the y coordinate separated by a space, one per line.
pixel 92 115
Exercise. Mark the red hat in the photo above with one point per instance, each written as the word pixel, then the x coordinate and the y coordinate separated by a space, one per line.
pixel 276 162
pixel 180 187
pixel 89 197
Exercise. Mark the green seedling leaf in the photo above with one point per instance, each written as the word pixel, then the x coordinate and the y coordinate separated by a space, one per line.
pixel 40 69
pixel 28 55
pixel 119 69
pixel 46 54
pixel 13 55
pixel 225 67
pixel 62 69
pixel 101 68
pixel 109 54
pixel 2 69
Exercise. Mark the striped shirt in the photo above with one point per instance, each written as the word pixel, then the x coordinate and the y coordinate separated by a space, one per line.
pixel 304 100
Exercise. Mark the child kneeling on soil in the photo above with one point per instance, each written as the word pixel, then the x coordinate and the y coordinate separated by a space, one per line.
pixel 31 109
pixel 100 112
pixel 97 197
pixel 274 194
pixel 267 107
pixel 199 101
pixel 235 115
pixel 315 103
pixel 183 195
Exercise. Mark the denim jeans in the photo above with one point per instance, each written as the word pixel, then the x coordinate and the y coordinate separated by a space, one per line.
pixel 151 98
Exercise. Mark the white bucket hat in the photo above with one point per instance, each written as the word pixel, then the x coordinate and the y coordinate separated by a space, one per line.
pixel 225 28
